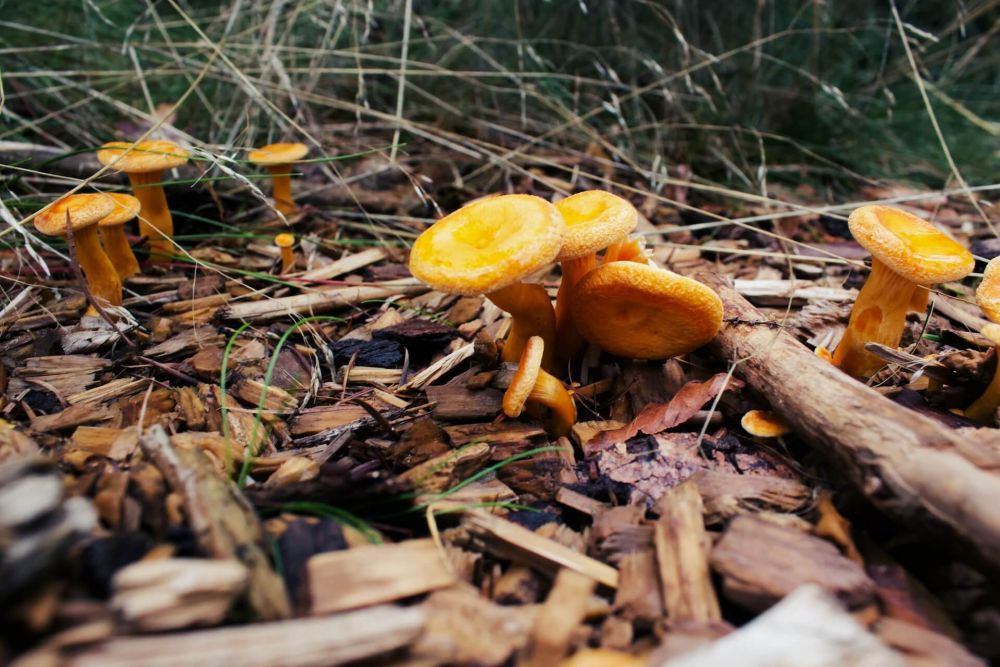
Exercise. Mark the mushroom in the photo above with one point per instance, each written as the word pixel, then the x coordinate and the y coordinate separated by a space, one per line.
pixel 144 163
pixel 532 383
pixel 908 253
pixel 285 241
pixel 278 159
pixel 984 407
pixel 82 213
pixel 764 424
pixel 595 219
pixel 988 292
pixel 638 311
pixel 632 249
pixel 488 247
pixel 112 230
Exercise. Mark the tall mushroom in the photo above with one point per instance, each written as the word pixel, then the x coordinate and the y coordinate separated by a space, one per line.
pixel 81 213
pixel 144 163
pixel 595 219
pixel 278 159
pixel 488 247
pixel 638 311
pixel 908 253
pixel 112 230
pixel 532 384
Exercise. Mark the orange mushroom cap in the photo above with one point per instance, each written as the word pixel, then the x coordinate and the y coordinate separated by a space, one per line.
pixel 909 246
pixel 525 378
pixel 145 156
pixel 275 154
pixel 284 240
pixel 126 208
pixel 638 311
pixel 764 424
pixel 84 210
pixel 988 292
pixel 594 220
pixel 488 245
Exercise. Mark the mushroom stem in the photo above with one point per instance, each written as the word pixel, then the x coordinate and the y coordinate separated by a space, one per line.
pixel 984 407
pixel 119 251
pixel 155 221
pixel 281 188
pixel 571 343
pixel 531 314
pixel 878 316
pixel 551 393
pixel 102 279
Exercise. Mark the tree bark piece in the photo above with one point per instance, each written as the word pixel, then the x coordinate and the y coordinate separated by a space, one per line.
pixel 319 301
pixel 682 556
pixel 364 576
pixel 224 523
pixel 560 616
pixel 909 466
pixel 309 642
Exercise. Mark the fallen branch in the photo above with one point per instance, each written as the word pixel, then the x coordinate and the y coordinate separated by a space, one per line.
pixel 319 302
pixel 908 465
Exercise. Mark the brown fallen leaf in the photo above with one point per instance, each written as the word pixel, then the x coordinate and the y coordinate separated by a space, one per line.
pixel 661 416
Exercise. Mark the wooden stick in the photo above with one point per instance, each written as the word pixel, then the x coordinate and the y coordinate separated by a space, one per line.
pixel 909 466
pixel 319 302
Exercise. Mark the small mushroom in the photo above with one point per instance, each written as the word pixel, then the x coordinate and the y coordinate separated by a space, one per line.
pixel 145 163
pixel 907 253
pixel 82 213
pixel 488 247
pixel 285 241
pixel 278 159
pixel 532 384
pixel 638 311
pixel 764 424
pixel 112 230
pixel 595 220
pixel 984 408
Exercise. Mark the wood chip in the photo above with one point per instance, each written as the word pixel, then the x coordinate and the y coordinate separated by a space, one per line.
pixel 561 614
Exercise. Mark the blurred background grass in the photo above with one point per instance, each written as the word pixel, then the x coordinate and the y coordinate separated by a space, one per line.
pixel 741 93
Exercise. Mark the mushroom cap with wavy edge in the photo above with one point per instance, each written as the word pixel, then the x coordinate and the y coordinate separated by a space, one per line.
pixel 126 208
pixel 274 154
pixel 488 245
pixel 525 378
pixel 764 424
pixel 991 331
pixel 284 240
pixel 909 246
pixel 638 311
pixel 594 219
pixel 144 157
pixel 84 210
pixel 988 292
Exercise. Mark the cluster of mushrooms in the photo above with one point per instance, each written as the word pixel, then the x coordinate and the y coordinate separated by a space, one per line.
pixel 618 302
pixel 95 222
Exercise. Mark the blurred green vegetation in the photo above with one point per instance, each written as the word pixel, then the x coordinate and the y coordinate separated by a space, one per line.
pixel 794 90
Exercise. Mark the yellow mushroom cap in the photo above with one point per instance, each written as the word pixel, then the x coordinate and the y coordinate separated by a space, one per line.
pixel 525 378
pixel 488 245
pixel 909 246
pixel 126 208
pixel 275 154
pixel 764 424
pixel 84 211
pixel 284 240
pixel 638 311
pixel 594 219
pixel 991 331
pixel 988 292
pixel 144 157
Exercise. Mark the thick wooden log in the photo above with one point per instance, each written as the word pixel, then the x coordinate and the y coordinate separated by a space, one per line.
pixel 909 466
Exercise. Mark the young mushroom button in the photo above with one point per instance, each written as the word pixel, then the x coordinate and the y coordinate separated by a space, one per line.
pixel 112 230
pixel 82 213
pixel 907 253
pixel 637 311
pixel 285 241
pixel 145 163
pixel 595 219
pixel 278 159
pixel 532 383
pixel 488 247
